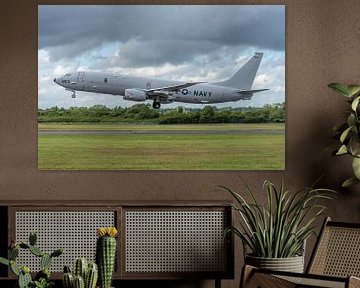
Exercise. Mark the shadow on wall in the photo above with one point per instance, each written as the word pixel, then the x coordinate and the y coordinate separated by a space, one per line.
pixel 318 145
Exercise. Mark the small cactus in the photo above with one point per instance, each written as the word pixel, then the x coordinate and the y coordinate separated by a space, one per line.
pixel 45 261
pixel 13 253
pixel 106 254
pixel 4 261
pixel 89 272
pixel 32 238
pixel 79 282
pixel 80 267
pixel 36 251
pixel 23 273
pixel 14 268
pixel 68 280
pixel 24 277
pixel 91 276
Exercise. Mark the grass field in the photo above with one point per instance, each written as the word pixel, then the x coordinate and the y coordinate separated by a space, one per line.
pixel 245 147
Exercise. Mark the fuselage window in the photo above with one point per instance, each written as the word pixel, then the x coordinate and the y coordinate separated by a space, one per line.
pixel 105 80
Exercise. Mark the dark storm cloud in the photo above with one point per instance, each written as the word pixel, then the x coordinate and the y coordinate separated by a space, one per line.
pixel 153 35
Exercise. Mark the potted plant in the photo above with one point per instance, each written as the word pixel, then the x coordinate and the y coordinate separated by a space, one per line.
pixel 276 233
pixel 348 132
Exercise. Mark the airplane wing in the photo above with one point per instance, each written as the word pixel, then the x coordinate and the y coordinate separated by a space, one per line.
pixel 171 88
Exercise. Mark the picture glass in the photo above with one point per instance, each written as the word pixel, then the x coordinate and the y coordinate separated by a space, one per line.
pixel 152 87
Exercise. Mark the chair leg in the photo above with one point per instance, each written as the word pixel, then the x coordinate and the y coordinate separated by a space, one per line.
pixel 354 282
pixel 246 274
pixel 250 278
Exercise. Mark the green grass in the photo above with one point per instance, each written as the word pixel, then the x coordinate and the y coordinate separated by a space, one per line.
pixel 260 151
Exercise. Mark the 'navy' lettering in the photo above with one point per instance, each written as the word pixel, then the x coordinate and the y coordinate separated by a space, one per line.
pixel 202 93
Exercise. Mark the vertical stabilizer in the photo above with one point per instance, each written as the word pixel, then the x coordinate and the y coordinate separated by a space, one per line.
pixel 244 77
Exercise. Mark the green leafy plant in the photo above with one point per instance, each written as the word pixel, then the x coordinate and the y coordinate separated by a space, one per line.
pixel 279 229
pixel 349 132
pixel 42 278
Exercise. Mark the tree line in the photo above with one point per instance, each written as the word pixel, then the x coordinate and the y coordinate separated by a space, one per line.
pixel 269 113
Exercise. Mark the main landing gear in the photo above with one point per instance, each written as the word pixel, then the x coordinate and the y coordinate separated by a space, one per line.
pixel 156 104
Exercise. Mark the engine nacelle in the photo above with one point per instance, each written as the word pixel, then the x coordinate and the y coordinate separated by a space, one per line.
pixel 135 95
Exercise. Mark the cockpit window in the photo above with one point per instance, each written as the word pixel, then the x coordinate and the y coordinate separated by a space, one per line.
pixel 67 75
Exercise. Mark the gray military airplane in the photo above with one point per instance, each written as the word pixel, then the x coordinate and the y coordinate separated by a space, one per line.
pixel 133 88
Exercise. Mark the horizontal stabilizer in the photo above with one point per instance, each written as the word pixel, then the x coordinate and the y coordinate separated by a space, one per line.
pixel 251 91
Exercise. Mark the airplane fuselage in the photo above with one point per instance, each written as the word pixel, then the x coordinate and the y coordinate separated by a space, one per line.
pixel 103 83
pixel 134 88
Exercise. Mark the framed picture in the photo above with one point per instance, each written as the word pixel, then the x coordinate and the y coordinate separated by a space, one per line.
pixel 161 87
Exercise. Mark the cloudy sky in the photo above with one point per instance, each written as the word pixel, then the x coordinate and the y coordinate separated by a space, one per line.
pixel 187 43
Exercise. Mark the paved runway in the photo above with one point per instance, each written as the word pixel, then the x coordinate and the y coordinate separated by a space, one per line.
pixel 158 132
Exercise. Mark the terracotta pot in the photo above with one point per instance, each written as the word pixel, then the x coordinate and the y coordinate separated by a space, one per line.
pixel 291 264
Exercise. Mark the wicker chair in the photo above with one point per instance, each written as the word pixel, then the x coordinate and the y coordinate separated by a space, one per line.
pixel 334 263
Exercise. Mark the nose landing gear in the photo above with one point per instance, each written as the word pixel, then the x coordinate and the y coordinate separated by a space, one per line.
pixel 73 95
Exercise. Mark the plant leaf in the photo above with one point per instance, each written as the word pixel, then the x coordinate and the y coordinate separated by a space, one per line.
pixel 4 261
pixel 355 103
pixel 353 89
pixel 356 167
pixel 340 88
pixel 342 150
pixel 345 134
pixel 349 182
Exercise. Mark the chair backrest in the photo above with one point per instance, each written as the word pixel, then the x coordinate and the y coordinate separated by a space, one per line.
pixel 337 251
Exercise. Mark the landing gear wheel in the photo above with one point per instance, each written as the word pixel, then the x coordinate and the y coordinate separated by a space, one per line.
pixel 73 95
pixel 156 105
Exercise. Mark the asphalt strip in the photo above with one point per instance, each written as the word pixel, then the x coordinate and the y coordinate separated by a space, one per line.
pixel 159 132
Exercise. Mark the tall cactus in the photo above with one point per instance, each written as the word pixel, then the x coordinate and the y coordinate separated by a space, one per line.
pixel 106 254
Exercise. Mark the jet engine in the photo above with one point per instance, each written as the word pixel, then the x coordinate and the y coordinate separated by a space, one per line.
pixel 135 95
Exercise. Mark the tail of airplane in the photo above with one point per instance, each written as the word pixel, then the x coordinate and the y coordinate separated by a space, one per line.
pixel 244 77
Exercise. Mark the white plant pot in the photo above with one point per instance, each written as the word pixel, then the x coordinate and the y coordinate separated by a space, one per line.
pixel 291 264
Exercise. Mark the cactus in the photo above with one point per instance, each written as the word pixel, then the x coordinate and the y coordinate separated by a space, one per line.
pixel 32 238
pixel 67 269
pixel 91 276
pixel 13 253
pixel 4 261
pixel 45 261
pixel 57 253
pixel 14 268
pixel 44 273
pixel 89 272
pixel 105 254
pixel 36 251
pixel 24 278
pixel 68 280
pixel 79 282
pixel 80 267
